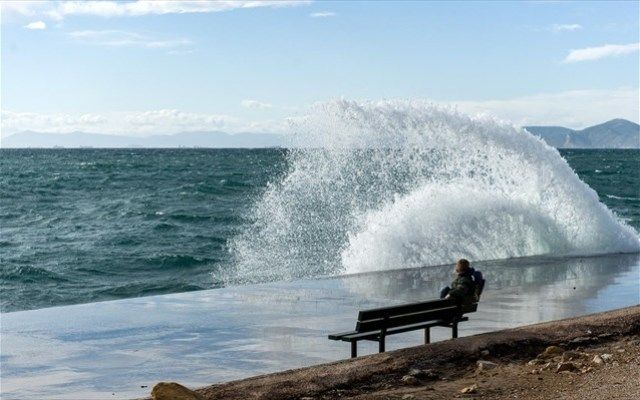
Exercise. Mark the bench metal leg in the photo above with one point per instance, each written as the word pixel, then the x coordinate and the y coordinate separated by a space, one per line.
pixel 381 338
pixel 454 330
pixel 427 335
pixel 354 349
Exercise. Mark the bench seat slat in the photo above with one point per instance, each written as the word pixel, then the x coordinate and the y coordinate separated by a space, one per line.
pixel 382 312
pixel 446 313
pixel 400 329
pixel 338 336
pixel 413 327
pixel 372 335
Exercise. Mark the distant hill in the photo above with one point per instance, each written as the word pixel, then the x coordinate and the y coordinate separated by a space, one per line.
pixel 614 134
pixel 29 139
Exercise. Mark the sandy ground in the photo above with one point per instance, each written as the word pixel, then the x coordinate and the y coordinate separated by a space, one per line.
pixel 600 351
pixel 514 378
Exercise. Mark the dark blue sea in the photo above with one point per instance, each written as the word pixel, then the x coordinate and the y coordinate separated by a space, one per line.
pixel 87 225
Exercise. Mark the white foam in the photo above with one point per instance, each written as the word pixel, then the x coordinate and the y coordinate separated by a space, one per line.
pixel 385 185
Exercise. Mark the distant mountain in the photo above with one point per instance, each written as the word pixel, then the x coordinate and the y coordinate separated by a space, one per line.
pixel 614 134
pixel 185 139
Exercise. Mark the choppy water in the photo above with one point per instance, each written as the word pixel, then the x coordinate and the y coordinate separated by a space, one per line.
pixel 87 225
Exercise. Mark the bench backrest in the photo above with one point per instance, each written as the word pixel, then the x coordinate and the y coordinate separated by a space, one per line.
pixel 407 314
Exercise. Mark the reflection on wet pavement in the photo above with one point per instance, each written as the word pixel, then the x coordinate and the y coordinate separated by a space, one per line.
pixel 112 349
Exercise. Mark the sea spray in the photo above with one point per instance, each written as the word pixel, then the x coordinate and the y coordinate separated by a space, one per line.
pixel 395 184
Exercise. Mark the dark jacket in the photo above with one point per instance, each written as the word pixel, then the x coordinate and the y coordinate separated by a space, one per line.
pixel 463 290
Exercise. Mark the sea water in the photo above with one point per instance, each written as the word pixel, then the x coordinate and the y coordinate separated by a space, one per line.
pixel 364 187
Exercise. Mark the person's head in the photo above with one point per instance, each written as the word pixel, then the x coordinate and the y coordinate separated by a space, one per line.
pixel 462 266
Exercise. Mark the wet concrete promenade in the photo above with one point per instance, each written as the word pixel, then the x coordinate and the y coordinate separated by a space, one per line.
pixel 120 349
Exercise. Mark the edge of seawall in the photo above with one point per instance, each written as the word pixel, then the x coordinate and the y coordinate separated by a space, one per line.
pixel 522 342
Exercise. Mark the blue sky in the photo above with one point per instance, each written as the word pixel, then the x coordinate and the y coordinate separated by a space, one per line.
pixel 163 67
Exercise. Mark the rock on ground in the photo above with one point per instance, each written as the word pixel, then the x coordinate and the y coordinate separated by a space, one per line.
pixel 173 391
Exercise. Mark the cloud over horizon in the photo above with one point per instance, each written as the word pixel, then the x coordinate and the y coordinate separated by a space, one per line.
pixel 322 14
pixel 575 109
pixel 135 123
pixel 255 104
pixel 60 10
pixel 566 27
pixel 572 109
pixel 37 25
pixel 123 123
pixel 596 53
pixel 117 38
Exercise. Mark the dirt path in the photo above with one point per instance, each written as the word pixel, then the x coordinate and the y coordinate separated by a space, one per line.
pixel 513 367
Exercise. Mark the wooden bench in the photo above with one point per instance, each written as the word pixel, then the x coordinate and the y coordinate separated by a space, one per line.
pixel 376 324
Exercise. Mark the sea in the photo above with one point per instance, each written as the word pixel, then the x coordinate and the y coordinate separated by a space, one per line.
pixel 88 225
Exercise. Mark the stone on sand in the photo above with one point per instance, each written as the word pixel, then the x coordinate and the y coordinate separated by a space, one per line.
pixel 409 380
pixel 567 366
pixel 469 389
pixel 552 351
pixel 607 357
pixel 423 373
pixel 173 391
pixel 485 365
pixel 571 355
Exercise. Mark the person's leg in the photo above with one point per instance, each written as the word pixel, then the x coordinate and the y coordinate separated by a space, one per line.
pixel 444 292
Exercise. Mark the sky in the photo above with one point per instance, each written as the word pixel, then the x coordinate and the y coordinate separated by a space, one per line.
pixel 145 67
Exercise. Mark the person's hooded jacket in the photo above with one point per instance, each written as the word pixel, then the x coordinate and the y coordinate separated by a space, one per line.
pixel 463 289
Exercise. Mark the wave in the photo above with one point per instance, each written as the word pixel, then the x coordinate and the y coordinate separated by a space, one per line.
pixel 138 289
pixel 397 184
pixel 176 261
pixel 611 196
pixel 28 274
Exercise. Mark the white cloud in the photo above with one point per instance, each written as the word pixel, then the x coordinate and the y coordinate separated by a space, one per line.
pixel 23 7
pixel 181 52
pixel 38 25
pixel 118 123
pixel 322 14
pixel 62 9
pixel 596 53
pixel 572 109
pixel 267 126
pixel 115 38
pixel 255 104
pixel 177 120
pixel 565 27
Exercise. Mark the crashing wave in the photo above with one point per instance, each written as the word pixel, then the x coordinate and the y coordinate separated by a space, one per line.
pixel 398 184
